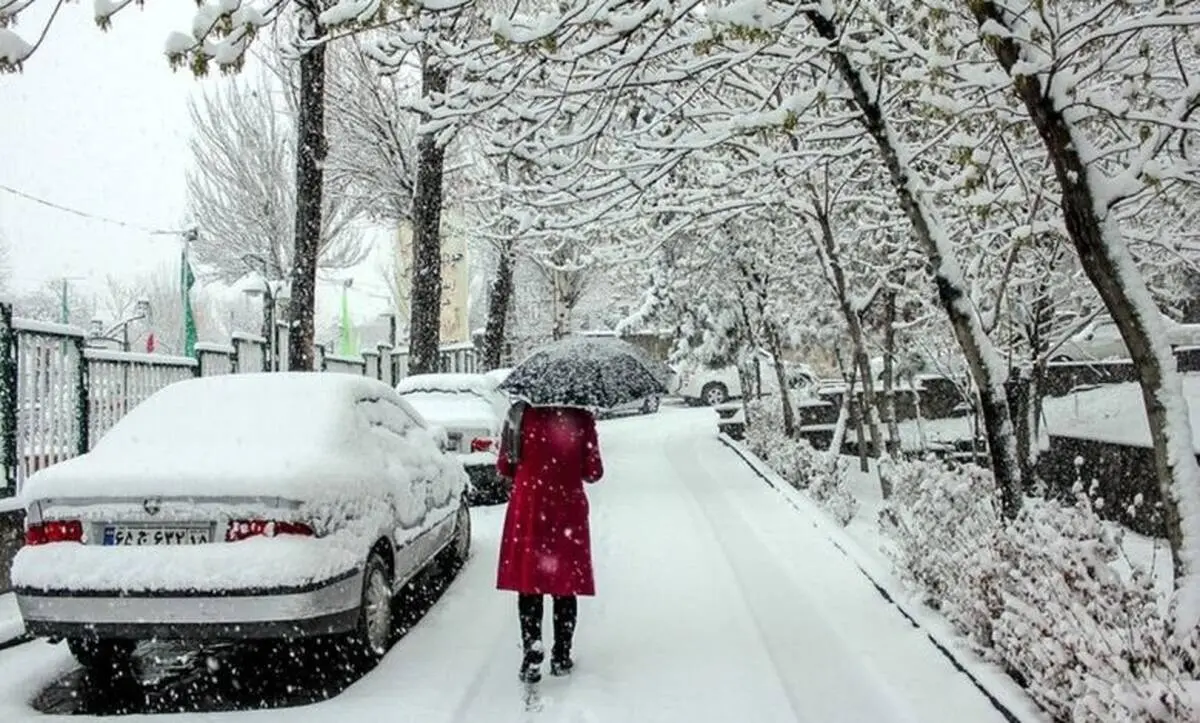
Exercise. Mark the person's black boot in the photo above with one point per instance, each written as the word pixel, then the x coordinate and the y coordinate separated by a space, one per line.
pixel 530 608
pixel 565 613
pixel 531 663
pixel 560 662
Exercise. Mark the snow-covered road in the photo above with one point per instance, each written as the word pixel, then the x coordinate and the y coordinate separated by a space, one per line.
pixel 716 602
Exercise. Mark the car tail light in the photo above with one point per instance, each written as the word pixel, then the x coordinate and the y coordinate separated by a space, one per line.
pixel 481 444
pixel 242 529
pixel 43 533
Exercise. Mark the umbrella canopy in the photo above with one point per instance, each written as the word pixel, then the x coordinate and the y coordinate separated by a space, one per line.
pixel 584 372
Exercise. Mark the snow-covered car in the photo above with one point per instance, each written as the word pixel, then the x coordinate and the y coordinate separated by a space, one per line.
pixel 252 506
pixel 1102 340
pixel 497 376
pixel 699 384
pixel 471 411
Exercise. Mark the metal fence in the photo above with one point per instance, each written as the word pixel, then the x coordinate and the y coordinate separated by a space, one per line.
pixel 58 396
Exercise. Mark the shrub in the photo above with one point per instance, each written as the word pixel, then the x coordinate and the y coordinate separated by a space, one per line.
pixel 1039 595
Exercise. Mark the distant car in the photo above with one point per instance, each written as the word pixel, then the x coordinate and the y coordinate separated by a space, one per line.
pixel 249 506
pixel 471 411
pixel 713 387
pixel 1101 340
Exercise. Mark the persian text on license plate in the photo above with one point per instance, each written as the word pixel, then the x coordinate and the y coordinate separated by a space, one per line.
pixel 115 535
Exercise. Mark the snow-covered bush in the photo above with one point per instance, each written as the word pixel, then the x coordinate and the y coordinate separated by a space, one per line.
pixel 1090 643
pixel 945 526
pixel 829 487
pixel 797 461
pixel 1038 595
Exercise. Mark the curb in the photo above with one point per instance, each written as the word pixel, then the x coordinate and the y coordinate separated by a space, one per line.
pixel 773 481
pixel 14 642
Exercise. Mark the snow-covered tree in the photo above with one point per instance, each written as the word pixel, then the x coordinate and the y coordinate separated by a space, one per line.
pixel 1109 91
pixel 242 185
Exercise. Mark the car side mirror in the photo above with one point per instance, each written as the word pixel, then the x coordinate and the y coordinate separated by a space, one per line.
pixel 440 436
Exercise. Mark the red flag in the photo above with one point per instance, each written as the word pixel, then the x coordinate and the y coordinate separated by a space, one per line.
pixel 150 343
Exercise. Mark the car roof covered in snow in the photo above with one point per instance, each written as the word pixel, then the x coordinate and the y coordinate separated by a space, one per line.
pixel 454 410
pixel 470 383
pixel 292 434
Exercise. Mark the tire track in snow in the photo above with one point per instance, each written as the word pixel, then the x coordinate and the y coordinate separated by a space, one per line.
pixel 799 646
pixel 1004 709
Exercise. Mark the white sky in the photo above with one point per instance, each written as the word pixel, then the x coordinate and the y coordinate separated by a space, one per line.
pixel 98 122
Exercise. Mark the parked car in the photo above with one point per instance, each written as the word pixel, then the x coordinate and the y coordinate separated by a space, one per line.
pixel 1101 340
pixel 698 384
pixel 471 411
pixel 497 376
pixel 254 506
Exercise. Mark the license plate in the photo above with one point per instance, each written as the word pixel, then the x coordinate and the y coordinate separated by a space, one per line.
pixel 115 535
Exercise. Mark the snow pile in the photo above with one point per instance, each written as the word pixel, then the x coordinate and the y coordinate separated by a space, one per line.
pixel 1042 596
pixel 798 462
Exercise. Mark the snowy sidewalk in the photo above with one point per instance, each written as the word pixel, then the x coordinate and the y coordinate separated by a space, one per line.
pixel 717 602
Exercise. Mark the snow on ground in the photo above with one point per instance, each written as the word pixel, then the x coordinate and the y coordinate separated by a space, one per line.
pixel 11 625
pixel 923 434
pixel 716 601
pixel 1114 413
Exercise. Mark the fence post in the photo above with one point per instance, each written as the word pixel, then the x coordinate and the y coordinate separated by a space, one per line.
pixel 8 399
pixel 370 363
pixel 386 368
pixel 82 397
pixel 319 358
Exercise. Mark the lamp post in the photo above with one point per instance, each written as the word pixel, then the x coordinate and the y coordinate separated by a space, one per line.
pixel 275 302
pixel 98 333
pixel 263 290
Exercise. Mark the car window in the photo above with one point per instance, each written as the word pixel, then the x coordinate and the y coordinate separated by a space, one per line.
pixel 384 416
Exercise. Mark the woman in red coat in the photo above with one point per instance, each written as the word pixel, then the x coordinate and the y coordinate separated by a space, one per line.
pixel 546 548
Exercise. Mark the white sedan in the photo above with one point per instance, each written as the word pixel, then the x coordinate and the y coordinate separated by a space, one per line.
pixel 471 411
pixel 1102 340
pixel 251 506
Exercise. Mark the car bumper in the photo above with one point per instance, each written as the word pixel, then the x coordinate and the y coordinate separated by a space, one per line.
pixel 487 486
pixel 323 608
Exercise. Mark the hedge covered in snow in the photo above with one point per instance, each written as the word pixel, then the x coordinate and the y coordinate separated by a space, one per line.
pixel 804 467
pixel 1040 595
pixel 1050 596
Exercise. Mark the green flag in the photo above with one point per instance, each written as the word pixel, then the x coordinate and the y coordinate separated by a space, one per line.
pixel 186 281
pixel 346 346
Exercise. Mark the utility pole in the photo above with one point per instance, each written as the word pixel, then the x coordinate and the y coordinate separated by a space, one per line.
pixel 64 312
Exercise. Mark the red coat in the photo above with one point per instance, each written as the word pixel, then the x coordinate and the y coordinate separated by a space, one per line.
pixel 547 547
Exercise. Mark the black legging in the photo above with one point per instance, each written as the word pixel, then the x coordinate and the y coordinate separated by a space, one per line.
pixel 531 608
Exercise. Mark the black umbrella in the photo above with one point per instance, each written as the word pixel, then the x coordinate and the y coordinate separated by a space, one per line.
pixel 584 372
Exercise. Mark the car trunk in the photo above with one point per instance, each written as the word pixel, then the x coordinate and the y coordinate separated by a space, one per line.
pixel 151 521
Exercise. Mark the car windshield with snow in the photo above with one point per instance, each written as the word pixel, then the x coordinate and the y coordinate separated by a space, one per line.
pixel 275 506
pixel 471 411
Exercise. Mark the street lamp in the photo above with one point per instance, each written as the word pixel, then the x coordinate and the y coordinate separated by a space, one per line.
pixel 263 289
pixel 141 310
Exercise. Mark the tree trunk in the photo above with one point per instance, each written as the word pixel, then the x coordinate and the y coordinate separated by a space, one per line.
pixel 977 348
pixel 310 188
pixel 499 303
pixel 894 445
pixel 867 409
pixel 426 314
pixel 562 310
pixel 1110 267
pixel 1020 400
pixel 785 397
pixel 839 429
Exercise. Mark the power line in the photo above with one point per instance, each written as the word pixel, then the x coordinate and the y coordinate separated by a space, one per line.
pixel 91 216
